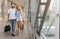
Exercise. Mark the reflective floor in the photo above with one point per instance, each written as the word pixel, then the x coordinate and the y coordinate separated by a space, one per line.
pixel 29 12
pixel 24 34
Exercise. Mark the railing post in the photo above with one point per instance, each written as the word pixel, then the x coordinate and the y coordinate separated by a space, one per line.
pixel 44 15
pixel 29 10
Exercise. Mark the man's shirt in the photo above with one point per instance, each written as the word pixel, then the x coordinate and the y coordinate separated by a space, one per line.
pixel 11 13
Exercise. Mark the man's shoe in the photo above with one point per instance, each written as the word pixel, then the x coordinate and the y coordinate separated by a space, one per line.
pixel 13 34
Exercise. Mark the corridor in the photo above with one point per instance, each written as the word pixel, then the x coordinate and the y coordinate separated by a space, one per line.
pixel 41 19
pixel 24 34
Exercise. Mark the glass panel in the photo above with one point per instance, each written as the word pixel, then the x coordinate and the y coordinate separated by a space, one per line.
pixel 48 29
pixel 43 0
pixel 42 8
pixel 39 20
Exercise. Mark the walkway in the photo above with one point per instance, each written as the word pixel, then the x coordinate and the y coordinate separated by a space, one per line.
pixel 25 33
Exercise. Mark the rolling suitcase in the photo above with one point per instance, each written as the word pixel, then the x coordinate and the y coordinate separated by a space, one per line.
pixel 7 28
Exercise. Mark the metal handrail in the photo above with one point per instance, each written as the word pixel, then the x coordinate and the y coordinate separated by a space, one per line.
pixel 52 22
pixel 49 26
pixel 29 10
pixel 44 15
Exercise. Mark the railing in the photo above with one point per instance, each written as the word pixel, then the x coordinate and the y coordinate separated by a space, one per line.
pixel 44 15
pixel 29 10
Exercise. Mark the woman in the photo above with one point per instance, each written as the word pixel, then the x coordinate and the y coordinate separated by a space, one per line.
pixel 19 19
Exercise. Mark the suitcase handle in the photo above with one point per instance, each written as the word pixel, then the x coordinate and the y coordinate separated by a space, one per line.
pixel 7 22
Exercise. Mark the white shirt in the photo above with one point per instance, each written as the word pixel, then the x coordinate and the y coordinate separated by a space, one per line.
pixel 19 16
pixel 11 13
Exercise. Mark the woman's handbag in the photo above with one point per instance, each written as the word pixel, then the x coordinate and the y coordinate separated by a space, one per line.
pixel 22 27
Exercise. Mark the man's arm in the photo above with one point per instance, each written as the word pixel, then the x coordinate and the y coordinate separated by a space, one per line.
pixel 8 17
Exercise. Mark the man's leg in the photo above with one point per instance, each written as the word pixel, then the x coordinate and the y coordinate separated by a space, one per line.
pixel 14 26
pixel 11 26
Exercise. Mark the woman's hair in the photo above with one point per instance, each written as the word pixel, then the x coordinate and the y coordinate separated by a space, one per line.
pixel 19 8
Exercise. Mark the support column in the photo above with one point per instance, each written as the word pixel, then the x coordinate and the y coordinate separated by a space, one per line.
pixel 57 27
pixel 26 8
pixel 6 7
pixel 0 9
pixel 33 11
pixel 57 20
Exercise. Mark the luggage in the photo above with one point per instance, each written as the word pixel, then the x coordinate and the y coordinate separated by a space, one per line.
pixel 22 28
pixel 7 28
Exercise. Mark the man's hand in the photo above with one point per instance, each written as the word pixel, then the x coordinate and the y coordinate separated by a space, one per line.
pixel 8 17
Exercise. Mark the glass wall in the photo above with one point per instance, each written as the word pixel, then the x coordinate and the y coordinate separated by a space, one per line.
pixel 48 30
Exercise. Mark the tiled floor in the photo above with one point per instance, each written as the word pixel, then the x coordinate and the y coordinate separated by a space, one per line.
pixel 25 34
pixel 3 35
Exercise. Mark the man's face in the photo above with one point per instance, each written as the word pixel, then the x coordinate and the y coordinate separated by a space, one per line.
pixel 13 5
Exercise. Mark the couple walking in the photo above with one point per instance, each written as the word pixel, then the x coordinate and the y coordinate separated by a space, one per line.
pixel 14 14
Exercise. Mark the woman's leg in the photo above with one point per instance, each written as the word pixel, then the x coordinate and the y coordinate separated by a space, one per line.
pixel 19 27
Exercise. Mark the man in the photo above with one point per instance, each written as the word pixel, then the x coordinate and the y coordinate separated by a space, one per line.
pixel 12 18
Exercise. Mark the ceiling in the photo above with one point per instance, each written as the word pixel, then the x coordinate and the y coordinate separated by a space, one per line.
pixel 19 2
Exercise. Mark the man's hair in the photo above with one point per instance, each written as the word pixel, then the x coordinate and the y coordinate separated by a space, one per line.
pixel 12 3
